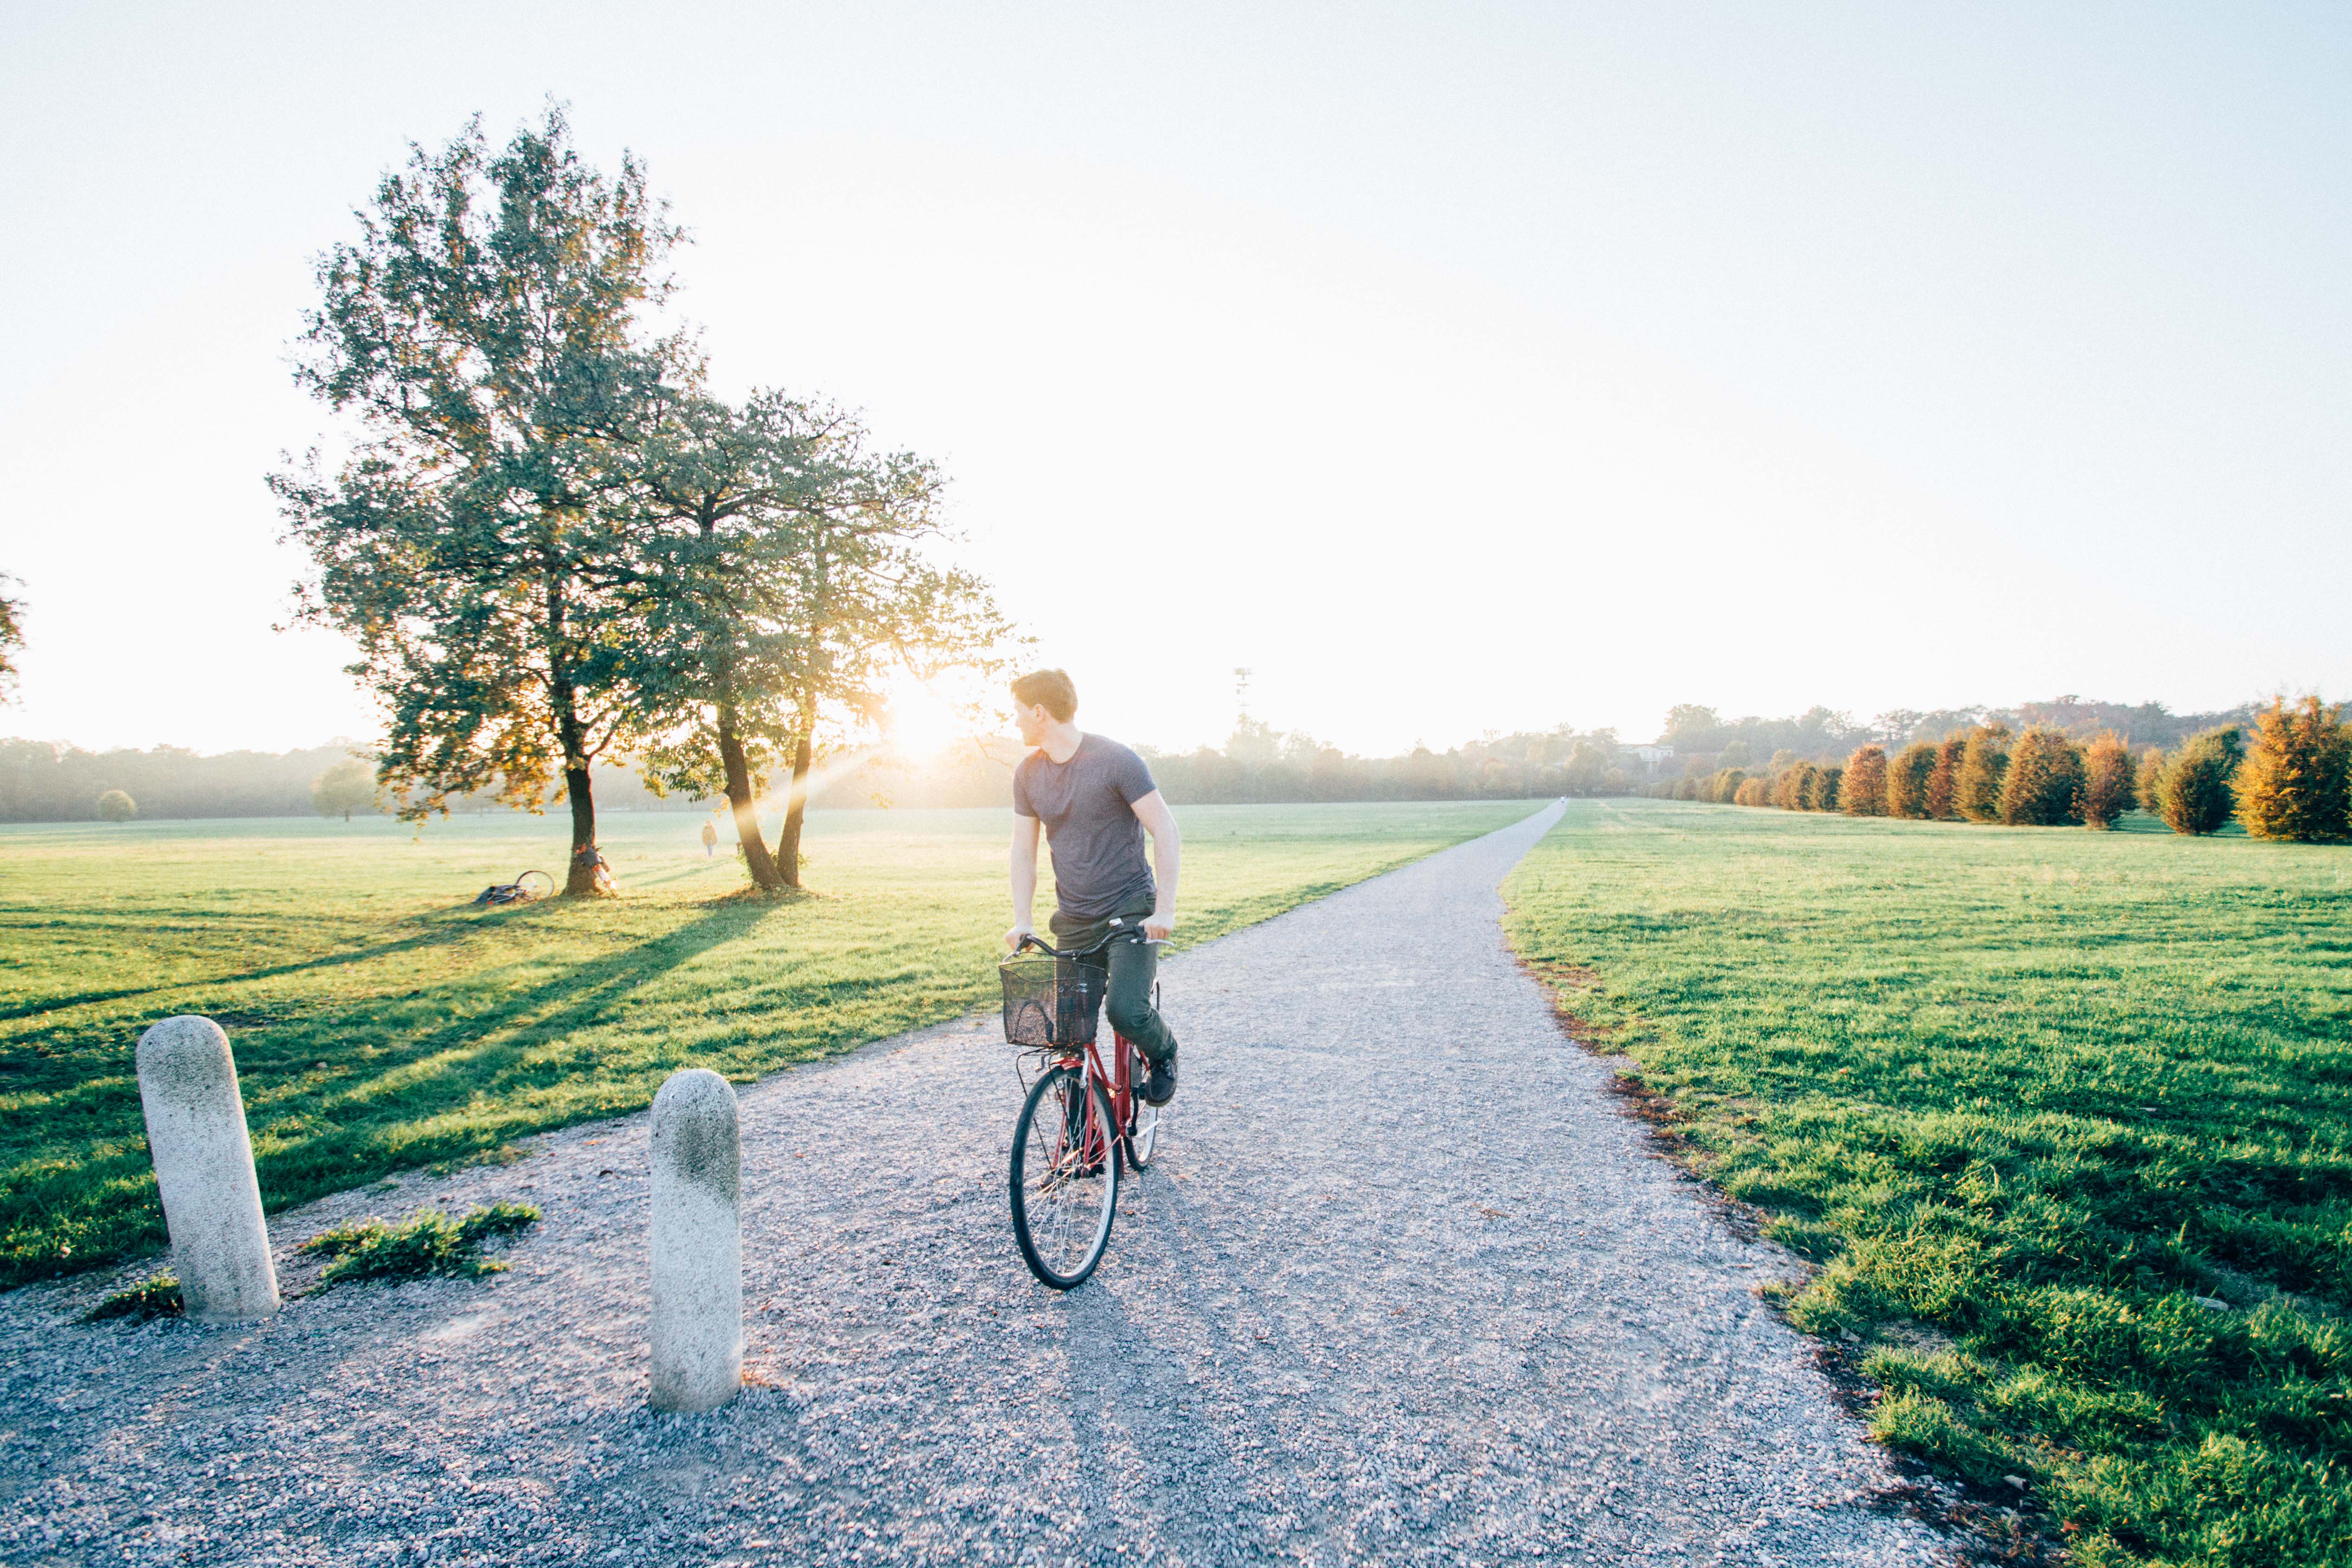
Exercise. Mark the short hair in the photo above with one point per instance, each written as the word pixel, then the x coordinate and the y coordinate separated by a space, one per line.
pixel 1053 688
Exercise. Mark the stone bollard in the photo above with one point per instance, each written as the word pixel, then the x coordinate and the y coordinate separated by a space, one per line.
pixel 204 1169
pixel 698 1243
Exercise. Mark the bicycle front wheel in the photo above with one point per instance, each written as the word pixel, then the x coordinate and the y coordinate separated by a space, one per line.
pixel 1065 1162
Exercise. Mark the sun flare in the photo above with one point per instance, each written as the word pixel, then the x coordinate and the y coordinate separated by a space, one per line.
pixel 922 724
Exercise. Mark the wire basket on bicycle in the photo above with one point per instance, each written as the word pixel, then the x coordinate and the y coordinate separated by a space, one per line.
pixel 1052 1002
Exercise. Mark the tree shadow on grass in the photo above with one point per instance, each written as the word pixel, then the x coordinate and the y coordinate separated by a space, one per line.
pixel 451 1084
pixel 447 926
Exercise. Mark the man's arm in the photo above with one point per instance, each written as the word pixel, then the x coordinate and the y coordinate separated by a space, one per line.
pixel 1024 879
pixel 1167 860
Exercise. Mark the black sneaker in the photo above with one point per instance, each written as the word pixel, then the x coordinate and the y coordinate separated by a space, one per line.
pixel 1161 1087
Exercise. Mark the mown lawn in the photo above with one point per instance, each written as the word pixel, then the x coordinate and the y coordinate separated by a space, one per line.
pixel 380 1021
pixel 2067 1116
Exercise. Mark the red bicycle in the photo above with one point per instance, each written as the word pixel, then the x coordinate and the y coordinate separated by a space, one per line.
pixel 1082 1120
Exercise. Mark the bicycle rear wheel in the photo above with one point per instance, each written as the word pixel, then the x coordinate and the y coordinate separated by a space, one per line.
pixel 1065 1158
pixel 533 884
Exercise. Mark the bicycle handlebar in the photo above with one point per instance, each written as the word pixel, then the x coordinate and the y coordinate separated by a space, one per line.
pixel 1119 928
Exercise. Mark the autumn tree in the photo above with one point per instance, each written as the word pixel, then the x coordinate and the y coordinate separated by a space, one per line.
pixel 1863 791
pixel 2296 782
pixel 2107 780
pixel 116 806
pixel 1944 779
pixel 1822 788
pixel 1984 759
pixel 1906 780
pixel 1795 788
pixel 486 332
pixel 2043 785
pixel 2194 797
pixel 349 785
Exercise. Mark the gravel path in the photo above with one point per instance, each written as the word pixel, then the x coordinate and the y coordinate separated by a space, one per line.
pixel 1402 1287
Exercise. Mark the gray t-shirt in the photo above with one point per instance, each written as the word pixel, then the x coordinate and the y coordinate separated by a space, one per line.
pixel 1087 805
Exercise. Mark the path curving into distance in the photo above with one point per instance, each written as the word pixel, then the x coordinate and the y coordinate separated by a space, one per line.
pixel 1403 1287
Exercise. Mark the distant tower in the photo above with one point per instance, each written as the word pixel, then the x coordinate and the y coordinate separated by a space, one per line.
pixel 1240 692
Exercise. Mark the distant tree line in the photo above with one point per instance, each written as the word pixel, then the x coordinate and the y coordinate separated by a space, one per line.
pixel 41 781
pixel 1700 737
pixel 44 781
pixel 1259 765
pixel 2285 774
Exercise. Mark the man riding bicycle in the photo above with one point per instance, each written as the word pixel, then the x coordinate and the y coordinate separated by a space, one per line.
pixel 1096 800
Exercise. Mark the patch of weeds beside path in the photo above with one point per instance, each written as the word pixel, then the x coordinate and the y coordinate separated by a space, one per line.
pixel 2064 1117
pixel 428 1242
pixel 157 1296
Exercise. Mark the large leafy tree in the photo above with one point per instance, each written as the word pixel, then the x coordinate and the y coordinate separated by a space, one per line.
pixel 868 601
pixel 786 574
pixel 713 542
pixel 486 333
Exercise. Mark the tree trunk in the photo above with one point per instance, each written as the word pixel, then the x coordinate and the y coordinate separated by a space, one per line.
pixel 581 881
pixel 738 797
pixel 788 845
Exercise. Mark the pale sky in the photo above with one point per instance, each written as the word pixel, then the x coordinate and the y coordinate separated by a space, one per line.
pixel 1454 367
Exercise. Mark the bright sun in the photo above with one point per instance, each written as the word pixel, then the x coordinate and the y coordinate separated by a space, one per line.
pixel 922 724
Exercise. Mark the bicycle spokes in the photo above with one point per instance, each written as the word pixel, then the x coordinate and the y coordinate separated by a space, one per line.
pixel 1064 1178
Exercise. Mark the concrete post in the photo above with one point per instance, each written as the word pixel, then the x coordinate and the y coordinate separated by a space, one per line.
pixel 203 1168
pixel 698 1243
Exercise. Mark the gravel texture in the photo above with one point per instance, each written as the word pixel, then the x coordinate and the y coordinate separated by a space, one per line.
pixel 1402 1287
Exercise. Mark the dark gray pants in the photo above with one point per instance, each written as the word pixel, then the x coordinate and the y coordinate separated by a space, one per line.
pixel 1134 965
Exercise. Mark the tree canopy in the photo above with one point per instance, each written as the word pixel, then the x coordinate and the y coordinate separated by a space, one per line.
pixel 782 575
pixel 486 332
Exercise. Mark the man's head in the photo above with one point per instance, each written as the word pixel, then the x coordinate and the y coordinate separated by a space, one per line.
pixel 1042 698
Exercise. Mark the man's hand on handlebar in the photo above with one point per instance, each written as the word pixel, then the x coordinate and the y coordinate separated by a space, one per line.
pixel 1156 926
pixel 1013 937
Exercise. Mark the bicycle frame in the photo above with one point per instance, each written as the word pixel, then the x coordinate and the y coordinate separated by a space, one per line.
pixel 1089 1060
pixel 1119 1083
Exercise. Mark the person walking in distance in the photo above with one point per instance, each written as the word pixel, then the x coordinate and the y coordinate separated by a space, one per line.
pixel 709 839
pixel 1096 800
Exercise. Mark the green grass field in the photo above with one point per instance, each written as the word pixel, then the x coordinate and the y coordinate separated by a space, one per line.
pixel 380 1021
pixel 2029 1094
